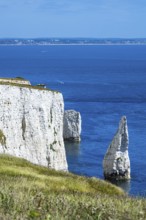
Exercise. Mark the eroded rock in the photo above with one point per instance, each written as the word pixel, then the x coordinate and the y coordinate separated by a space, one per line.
pixel 116 163
pixel 72 126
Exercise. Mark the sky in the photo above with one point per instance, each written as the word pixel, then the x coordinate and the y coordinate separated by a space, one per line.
pixel 76 18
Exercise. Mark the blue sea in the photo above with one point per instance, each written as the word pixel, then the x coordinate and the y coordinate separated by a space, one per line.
pixel 103 83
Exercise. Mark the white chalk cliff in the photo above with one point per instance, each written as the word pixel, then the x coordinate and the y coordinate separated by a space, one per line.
pixel 116 163
pixel 31 125
pixel 72 126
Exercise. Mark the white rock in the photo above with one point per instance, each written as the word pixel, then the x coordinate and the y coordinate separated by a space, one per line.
pixel 72 125
pixel 31 125
pixel 116 163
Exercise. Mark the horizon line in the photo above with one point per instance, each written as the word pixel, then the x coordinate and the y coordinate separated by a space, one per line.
pixel 114 38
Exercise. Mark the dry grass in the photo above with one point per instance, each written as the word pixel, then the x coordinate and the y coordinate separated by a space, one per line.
pixel 28 191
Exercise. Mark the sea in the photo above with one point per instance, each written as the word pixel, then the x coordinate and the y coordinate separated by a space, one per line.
pixel 103 83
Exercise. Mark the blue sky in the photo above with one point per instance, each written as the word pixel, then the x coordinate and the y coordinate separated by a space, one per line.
pixel 76 18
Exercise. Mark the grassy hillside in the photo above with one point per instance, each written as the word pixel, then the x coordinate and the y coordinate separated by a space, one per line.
pixel 32 192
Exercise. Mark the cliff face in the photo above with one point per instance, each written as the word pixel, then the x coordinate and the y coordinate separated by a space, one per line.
pixel 31 125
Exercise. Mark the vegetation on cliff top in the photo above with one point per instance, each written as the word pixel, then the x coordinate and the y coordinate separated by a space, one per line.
pixel 19 78
pixel 28 191
pixel 27 86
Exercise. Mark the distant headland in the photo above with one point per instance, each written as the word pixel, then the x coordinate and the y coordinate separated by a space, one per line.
pixel 71 41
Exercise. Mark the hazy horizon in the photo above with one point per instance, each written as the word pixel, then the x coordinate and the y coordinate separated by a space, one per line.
pixel 72 19
pixel 96 38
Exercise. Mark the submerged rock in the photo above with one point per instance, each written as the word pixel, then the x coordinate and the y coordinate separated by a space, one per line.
pixel 31 125
pixel 116 163
pixel 72 126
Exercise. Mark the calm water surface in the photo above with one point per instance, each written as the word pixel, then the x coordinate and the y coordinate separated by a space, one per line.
pixel 103 83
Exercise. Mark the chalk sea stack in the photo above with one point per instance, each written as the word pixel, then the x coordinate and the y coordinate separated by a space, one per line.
pixel 116 163
pixel 72 126
pixel 31 123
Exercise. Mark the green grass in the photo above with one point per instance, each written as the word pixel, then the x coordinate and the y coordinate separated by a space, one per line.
pixel 28 191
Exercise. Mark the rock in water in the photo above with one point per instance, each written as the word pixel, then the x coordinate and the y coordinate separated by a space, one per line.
pixel 31 125
pixel 72 125
pixel 116 163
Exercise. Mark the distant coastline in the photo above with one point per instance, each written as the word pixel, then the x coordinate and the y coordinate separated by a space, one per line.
pixel 71 41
